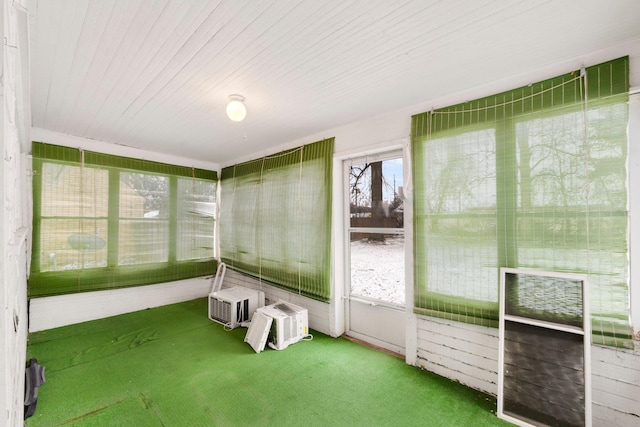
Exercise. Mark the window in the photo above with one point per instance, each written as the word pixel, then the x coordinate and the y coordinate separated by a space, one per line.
pixel 196 212
pixel 275 218
pixel 533 178
pixel 143 226
pixel 104 222
pixel 73 228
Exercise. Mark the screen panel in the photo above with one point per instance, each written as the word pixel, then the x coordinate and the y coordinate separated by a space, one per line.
pixel 544 358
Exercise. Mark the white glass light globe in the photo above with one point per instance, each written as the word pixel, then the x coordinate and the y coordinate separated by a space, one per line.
pixel 236 110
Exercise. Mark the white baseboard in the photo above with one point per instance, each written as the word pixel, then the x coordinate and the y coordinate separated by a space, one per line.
pixel 61 310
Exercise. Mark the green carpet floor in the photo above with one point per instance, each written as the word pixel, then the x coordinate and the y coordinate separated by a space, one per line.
pixel 171 366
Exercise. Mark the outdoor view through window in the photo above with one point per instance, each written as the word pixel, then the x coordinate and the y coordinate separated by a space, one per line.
pixel 376 230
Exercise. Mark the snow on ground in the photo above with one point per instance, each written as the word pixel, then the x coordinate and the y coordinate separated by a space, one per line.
pixel 377 269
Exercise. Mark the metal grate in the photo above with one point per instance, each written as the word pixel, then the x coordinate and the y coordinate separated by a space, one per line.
pixel 220 310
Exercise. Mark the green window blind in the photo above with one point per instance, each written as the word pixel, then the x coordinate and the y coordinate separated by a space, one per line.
pixel 103 222
pixel 275 218
pixel 531 178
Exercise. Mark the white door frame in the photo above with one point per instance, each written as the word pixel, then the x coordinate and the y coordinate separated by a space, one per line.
pixel 383 308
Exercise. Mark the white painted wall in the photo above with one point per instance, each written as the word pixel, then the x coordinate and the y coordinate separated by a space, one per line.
pixel 634 206
pixel 50 137
pixel 615 385
pixel 14 231
pixel 61 310
pixel 459 351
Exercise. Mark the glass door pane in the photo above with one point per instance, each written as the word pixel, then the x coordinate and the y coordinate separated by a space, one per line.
pixel 375 194
pixel 377 267
pixel 376 235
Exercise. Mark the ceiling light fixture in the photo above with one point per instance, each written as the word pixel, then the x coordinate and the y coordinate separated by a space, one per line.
pixel 236 109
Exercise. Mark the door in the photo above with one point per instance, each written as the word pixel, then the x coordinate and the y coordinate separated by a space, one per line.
pixel 375 250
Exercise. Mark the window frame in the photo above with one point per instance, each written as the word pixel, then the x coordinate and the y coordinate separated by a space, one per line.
pixel 113 275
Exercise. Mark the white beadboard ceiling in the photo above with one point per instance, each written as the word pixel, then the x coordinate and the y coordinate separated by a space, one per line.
pixel 156 74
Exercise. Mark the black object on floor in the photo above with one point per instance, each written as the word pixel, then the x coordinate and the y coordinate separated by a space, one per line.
pixel 34 378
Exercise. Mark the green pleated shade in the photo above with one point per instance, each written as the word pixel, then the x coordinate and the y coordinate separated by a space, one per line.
pixel 103 222
pixel 275 218
pixel 531 178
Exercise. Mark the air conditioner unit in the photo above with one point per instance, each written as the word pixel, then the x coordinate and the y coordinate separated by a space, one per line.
pixel 233 306
pixel 258 332
pixel 290 324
